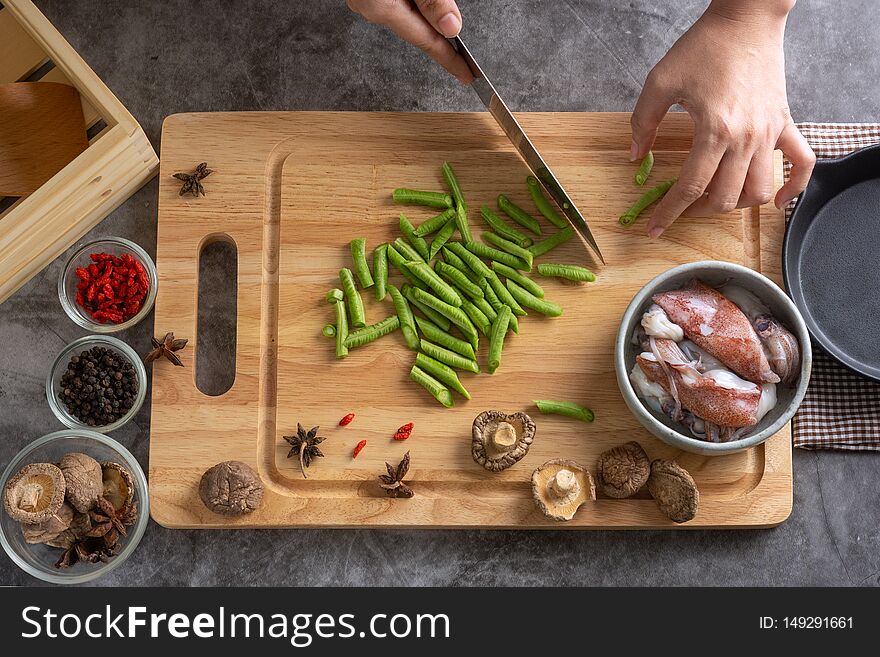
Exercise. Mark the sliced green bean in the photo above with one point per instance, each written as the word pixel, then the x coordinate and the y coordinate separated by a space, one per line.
pixel 427 311
pixel 452 183
pixel 437 285
pixel 407 250
pixel 519 215
pixel 407 321
pixel 486 308
pixel 568 272
pixel 341 329
pixel 644 170
pixel 359 255
pixel 477 316
pixel 654 194
pixel 565 408
pixel 496 304
pixel 461 222
pixel 419 197
pixel 373 332
pixel 550 243
pixel 435 223
pixel 438 390
pixel 455 276
pixel 544 206
pixel 449 357
pixel 436 334
pixel 496 338
pixel 509 247
pixel 529 300
pixel 505 296
pixel 450 258
pixel 399 261
pixel 442 372
pixel 485 251
pixel 504 229
pixel 353 298
pixel 441 238
pixel 335 295
pixel 456 315
pixel 409 231
pixel 380 270
pixel 519 278
pixel 329 331
pixel 473 262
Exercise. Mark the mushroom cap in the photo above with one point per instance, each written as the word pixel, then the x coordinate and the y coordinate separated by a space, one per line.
pixel 118 486
pixel 84 480
pixel 623 470
pixel 80 526
pixel 35 493
pixel 231 488
pixel 50 529
pixel 674 489
pixel 485 426
pixel 547 501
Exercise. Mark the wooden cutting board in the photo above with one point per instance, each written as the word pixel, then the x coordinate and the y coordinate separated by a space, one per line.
pixel 290 190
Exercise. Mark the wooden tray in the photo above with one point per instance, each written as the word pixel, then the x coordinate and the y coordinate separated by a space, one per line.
pixel 290 190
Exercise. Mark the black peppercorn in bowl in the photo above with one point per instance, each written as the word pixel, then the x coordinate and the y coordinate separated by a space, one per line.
pixel 96 383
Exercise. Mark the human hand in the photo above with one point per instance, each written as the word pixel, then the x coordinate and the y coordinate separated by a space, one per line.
pixel 728 72
pixel 424 23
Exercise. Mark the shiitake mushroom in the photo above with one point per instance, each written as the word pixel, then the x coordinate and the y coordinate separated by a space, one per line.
pixel 35 493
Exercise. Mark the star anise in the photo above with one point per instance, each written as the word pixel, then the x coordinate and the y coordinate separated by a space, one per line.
pixel 166 347
pixel 393 481
pixel 110 522
pixel 89 550
pixel 305 443
pixel 192 181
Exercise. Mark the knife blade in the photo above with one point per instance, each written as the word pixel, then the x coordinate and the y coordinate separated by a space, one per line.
pixel 511 127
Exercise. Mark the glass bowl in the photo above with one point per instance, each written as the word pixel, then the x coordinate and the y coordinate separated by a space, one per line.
pixel 39 560
pixel 53 382
pixel 68 280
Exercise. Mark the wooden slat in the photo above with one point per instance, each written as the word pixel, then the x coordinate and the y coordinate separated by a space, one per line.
pixel 19 53
pixel 90 114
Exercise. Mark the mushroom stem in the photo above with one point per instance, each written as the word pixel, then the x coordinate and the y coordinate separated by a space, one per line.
pixel 565 484
pixel 504 437
pixel 30 495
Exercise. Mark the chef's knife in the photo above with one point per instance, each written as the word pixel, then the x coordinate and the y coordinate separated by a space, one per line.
pixel 524 146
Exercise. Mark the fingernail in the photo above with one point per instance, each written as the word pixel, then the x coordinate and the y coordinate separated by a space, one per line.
pixel 449 25
pixel 655 232
pixel 633 151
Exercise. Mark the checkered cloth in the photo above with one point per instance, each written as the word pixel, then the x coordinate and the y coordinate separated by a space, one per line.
pixel 841 409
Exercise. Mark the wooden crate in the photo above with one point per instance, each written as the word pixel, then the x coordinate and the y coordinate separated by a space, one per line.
pixel 119 160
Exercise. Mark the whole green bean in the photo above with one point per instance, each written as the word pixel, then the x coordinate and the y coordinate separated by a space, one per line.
pixel 452 183
pixel 496 338
pixel 407 321
pixel 427 311
pixel 441 238
pixel 399 261
pixel 451 358
pixel 335 295
pixel 437 285
pixel 454 276
pixel 550 243
pixel 504 295
pixel 373 332
pixel 505 230
pixel 409 231
pixel 352 298
pixel 519 278
pixel 529 300
pixel 519 215
pixel 456 315
pixel 509 247
pixel 407 250
pixel 477 316
pixel 436 334
pixel 359 255
pixel 329 331
pixel 496 304
pixel 380 270
pixel 419 197
pixel 568 272
pixel 442 373
pixel 461 222
pixel 341 329
pixel 473 262
pixel 629 217
pixel 565 408
pixel 543 205
pixel 435 223
pixel 644 170
pixel 438 390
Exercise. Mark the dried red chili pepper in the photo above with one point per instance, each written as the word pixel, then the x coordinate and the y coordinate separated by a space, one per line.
pixel 404 432
pixel 346 420
pixel 112 288
pixel 358 448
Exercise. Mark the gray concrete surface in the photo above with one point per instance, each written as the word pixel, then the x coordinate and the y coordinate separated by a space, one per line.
pixel 180 55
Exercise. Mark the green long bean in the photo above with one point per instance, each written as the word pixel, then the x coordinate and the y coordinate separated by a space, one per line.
pixel 529 300
pixel 509 247
pixel 519 215
pixel 477 316
pixel 644 169
pixel 496 338
pixel 437 335
pixel 568 272
pixel 457 278
pixel 485 251
pixel 442 373
pixel 449 357
pixel 519 278
pixel 473 262
pixel 359 255
pixel 569 409
pixel 329 331
pixel 380 271
pixel 372 332
pixel 452 182
pixel 455 315
pixel 409 231
pixel 437 285
pixel 427 311
pixel 407 321
pixel 443 236
pixel 629 217
pixel 408 251
pixel 435 223
pixel 419 197
pixel 352 298
pixel 496 304
pixel 438 390
pixel 543 205
pixel 399 261
pixel 504 295
pixel 461 222
pixel 335 295
pixel 504 229
pixel 548 244
pixel 341 329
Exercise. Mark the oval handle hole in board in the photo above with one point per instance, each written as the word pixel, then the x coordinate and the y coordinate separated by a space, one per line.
pixel 217 316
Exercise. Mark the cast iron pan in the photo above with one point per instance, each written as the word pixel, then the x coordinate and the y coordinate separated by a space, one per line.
pixel 831 259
